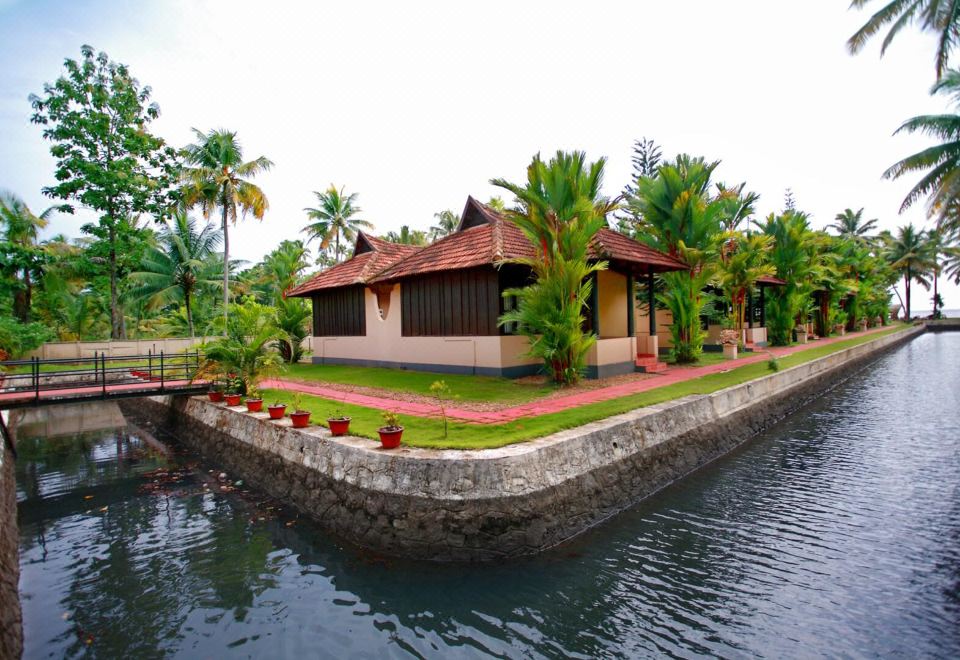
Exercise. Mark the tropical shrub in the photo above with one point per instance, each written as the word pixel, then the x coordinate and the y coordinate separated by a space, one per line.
pixel 559 209
pixel 17 338
pixel 243 356
pixel 794 256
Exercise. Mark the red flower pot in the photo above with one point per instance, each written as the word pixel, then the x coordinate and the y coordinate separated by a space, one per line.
pixel 277 411
pixel 300 418
pixel 390 436
pixel 254 405
pixel 232 399
pixel 215 395
pixel 339 426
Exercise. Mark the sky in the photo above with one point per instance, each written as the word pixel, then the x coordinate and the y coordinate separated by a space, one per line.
pixel 416 105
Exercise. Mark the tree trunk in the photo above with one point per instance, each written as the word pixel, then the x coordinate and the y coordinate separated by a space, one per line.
pixel 21 299
pixel 186 297
pixel 226 268
pixel 907 290
pixel 116 319
pixel 935 293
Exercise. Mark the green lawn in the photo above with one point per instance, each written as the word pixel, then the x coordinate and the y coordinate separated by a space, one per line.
pixel 467 388
pixel 423 432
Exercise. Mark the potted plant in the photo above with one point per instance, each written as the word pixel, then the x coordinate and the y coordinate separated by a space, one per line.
pixel 339 423
pixel 730 339
pixel 232 398
pixel 215 393
pixel 801 331
pixel 299 417
pixel 391 431
pixel 277 410
pixel 254 401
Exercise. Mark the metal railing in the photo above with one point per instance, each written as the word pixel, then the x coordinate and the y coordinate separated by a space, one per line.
pixel 153 372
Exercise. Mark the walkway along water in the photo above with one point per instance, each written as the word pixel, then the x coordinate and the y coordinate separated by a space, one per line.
pixel 833 533
pixel 481 505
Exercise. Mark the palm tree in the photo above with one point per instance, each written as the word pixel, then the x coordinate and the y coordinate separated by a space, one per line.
pixel 180 266
pixel 738 206
pixel 447 223
pixel 852 225
pixel 217 177
pixel 937 16
pixel 743 261
pixel 908 253
pixel 941 162
pixel 333 218
pixel 21 229
pixel 407 236
pixel 559 210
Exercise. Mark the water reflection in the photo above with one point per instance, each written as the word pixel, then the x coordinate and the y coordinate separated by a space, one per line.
pixel 835 533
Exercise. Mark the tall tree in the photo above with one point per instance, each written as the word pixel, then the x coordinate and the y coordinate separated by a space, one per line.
pixel 179 266
pixel 447 222
pixel 684 220
pixel 22 257
pixel 216 176
pixel 908 254
pixel 941 17
pixel 646 160
pixel 941 162
pixel 851 224
pixel 559 209
pixel 407 236
pixel 97 118
pixel 334 217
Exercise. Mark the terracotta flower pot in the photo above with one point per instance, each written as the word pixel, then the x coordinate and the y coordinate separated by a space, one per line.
pixel 215 395
pixel 300 418
pixel 339 425
pixel 277 411
pixel 254 405
pixel 232 399
pixel 390 436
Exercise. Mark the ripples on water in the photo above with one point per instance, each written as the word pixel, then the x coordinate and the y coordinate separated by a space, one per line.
pixel 835 533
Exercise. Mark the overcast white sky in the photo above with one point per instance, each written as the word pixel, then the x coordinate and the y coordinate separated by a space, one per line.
pixel 416 105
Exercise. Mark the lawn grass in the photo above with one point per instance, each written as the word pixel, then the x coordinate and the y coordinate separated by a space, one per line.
pixel 428 432
pixel 464 387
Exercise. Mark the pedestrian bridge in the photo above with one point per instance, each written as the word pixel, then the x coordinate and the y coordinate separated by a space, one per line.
pixel 36 382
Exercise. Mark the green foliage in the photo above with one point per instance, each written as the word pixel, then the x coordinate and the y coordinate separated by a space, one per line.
pixel 743 260
pixel 684 221
pixel 447 222
pixel 793 255
pixel 184 262
pixel 560 209
pixel 407 236
pixel 440 390
pixel 97 118
pixel 245 349
pixel 216 176
pixel 334 218
pixel 773 363
pixel 391 420
pixel 17 338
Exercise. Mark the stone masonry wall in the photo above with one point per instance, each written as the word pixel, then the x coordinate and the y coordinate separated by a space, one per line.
pixel 513 501
pixel 11 630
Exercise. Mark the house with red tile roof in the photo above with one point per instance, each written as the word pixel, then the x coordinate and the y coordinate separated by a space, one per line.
pixel 436 308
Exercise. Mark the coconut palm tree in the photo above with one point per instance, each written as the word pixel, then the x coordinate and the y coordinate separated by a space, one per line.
pixel 179 266
pixel 216 176
pixel 941 162
pixel 447 222
pixel 937 16
pixel 851 224
pixel 333 218
pixel 20 229
pixel 559 209
pixel 908 253
pixel 407 236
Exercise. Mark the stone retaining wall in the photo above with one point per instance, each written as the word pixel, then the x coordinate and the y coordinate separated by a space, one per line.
pixel 11 629
pixel 507 502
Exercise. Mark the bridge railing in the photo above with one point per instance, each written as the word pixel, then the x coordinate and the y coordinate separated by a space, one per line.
pixel 153 371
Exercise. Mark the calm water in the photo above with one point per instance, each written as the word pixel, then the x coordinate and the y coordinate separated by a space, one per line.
pixel 836 533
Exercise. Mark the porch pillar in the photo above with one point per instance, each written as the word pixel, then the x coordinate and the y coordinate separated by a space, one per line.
pixel 595 304
pixel 652 303
pixel 631 307
pixel 763 307
pixel 750 308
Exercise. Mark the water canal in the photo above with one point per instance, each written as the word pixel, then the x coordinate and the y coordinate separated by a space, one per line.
pixel 837 533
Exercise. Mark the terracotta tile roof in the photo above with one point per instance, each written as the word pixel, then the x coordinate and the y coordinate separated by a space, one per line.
pixel 486 238
pixel 371 256
pixel 770 280
pixel 614 246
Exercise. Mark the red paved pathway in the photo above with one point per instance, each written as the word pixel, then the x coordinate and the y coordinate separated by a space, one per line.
pixel 552 405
